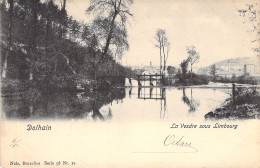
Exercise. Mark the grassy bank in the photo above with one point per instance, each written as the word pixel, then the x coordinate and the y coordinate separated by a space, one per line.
pixel 244 105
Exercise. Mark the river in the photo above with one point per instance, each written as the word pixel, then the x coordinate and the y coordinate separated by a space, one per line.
pixel 122 104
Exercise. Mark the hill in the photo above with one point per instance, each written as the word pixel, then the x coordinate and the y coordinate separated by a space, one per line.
pixel 235 66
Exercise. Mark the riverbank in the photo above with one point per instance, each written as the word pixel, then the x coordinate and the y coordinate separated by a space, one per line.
pixel 209 85
pixel 222 85
pixel 243 104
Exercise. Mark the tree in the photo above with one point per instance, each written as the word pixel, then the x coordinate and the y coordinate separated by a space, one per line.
pixel 35 44
pixel 171 70
pixel 33 41
pixel 63 15
pixel 251 15
pixel 184 66
pixel 111 9
pixel 10 26
pixel 213 71
pixel 119 42
pixel 193 56
pixel 164 46
pixel 93 45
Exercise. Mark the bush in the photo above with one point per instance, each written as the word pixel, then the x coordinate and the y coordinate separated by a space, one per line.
pixel 244 79
pixel 243 95
pixel 192 79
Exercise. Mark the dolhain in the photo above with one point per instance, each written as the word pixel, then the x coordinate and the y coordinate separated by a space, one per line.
pixel 38 127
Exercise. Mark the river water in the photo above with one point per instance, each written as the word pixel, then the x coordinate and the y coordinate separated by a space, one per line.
pixel 123 104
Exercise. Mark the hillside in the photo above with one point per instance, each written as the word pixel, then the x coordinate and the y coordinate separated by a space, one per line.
pixel 236 66
pixel 42 44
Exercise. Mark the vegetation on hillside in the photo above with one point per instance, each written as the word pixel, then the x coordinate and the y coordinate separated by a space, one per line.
pixel 42 45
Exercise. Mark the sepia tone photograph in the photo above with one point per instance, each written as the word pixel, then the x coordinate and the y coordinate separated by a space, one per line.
pixel 112 83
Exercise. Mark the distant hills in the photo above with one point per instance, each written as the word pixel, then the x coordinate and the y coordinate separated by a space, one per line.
pixel 235 66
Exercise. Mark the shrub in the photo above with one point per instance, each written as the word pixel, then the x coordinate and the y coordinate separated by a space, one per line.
pixel 244 79
pixel 243 95
pixel 192 79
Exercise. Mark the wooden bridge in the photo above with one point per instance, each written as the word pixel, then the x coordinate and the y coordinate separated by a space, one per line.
pixel 142 79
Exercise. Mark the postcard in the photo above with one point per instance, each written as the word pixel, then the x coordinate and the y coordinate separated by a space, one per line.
pixel 130 83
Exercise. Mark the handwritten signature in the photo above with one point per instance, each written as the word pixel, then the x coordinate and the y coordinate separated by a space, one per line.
pixel 14 142
pixel 172 140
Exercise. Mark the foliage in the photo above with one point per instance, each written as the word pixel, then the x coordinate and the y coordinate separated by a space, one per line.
pixel 53 50
pixel 244 79
pixel 213 71
pixel 243 95
pixel 244 104
pixel 184 65
pixel 251 15
pixel 192 79
pixel 111 22
pixel 171 70
pixel 118 43
pixel 193 56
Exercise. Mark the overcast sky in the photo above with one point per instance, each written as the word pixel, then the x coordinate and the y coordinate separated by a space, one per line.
pixel 214 27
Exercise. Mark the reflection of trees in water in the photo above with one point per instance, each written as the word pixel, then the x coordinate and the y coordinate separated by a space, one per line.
pixel 62 105
pixel 130 92
pixel 96 113
pixel 163 104
pixel 191 102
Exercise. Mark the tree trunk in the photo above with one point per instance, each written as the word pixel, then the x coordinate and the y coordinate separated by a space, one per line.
pixel 160 56
pixel 62 24
pixel 109 37
pixel 63 13
pixel 164 61
pixel 34 36
pixel 47 26
pixel 4 70
pixel 191 71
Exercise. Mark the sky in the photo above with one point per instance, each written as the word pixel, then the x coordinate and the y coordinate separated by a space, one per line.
pixel 214 27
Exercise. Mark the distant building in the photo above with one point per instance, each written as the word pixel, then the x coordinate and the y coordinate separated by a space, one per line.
pixel 138 71
pixel 148 70
pixel 151 71
pixel 237 66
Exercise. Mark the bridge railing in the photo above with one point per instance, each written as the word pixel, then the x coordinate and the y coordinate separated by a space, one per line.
pixel 156 77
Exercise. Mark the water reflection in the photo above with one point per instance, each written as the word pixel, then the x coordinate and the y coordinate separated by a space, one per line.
pixel 116 104
pixel 154 93
pixel 149 93
pixel 191 102
pixel 130 92
pixel 62 105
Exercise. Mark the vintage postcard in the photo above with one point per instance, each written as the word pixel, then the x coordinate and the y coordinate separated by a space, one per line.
pixel 130 83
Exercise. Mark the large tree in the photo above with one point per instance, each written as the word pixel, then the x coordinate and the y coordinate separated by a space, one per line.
pixel 115 12
pixel 164 47
pixel 184 65
pixel 193 56
pixel 213 71
pixel 171 70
